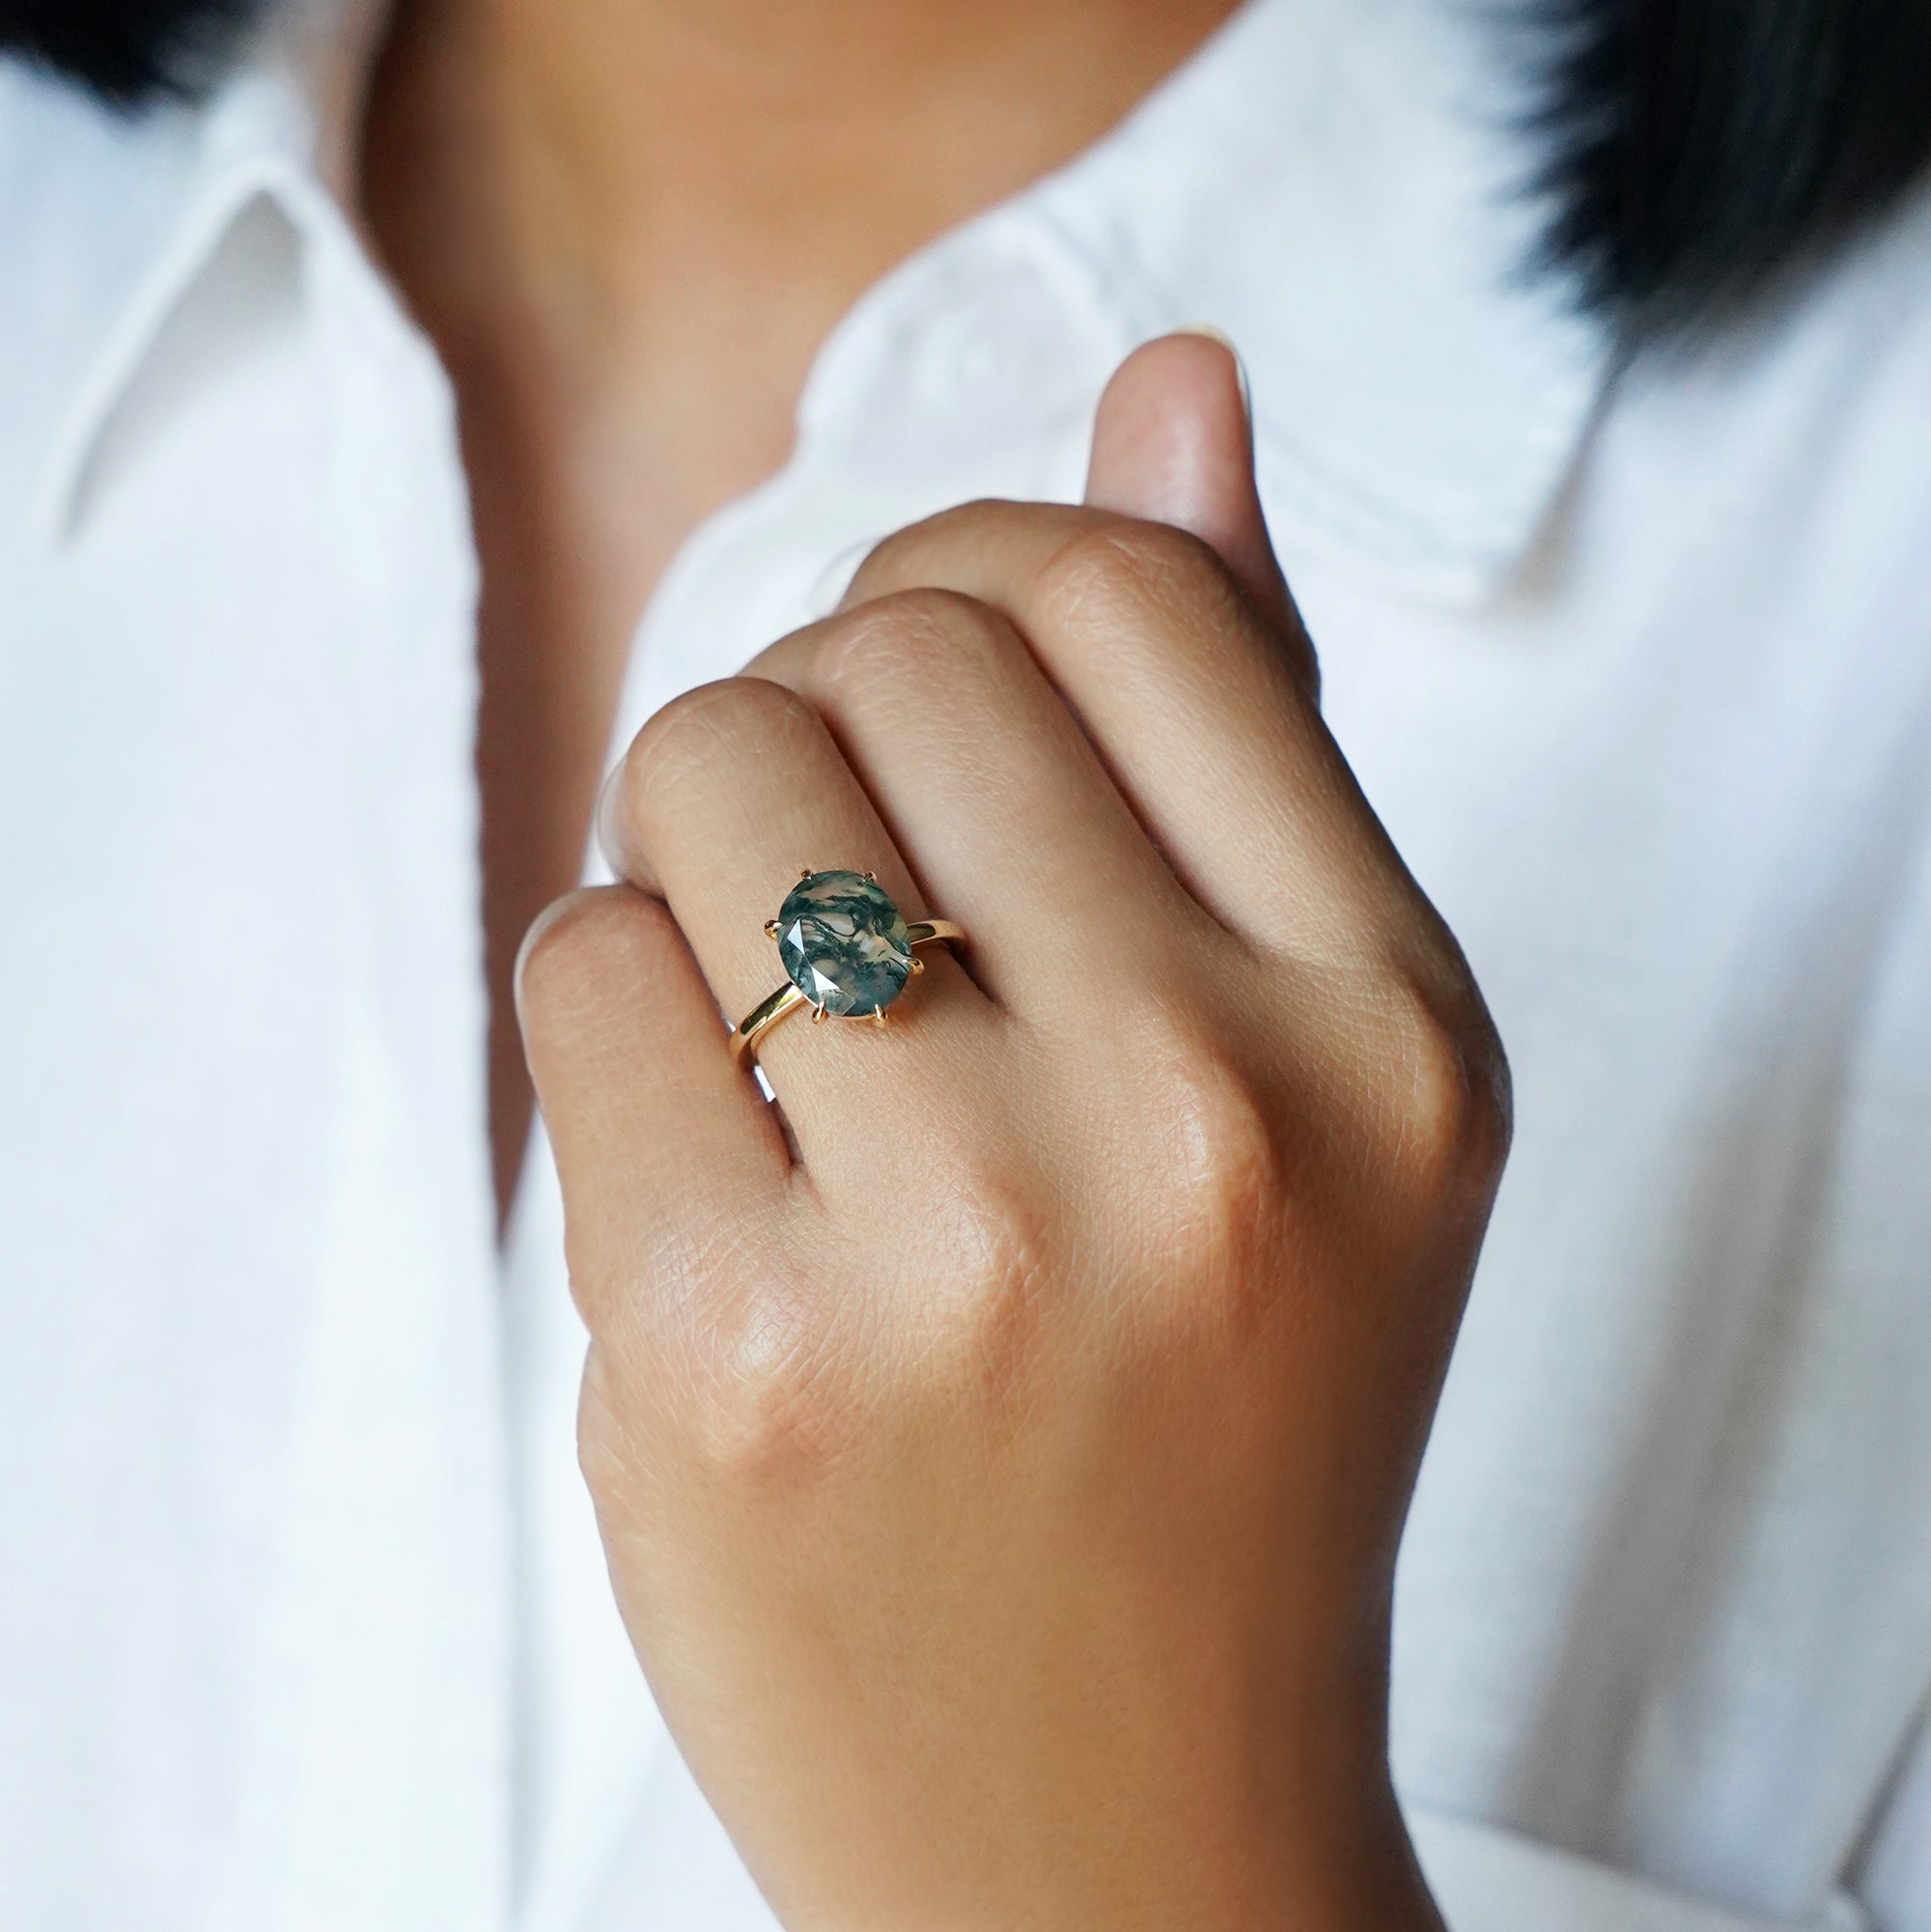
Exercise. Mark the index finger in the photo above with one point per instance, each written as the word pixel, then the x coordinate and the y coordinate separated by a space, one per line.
pixel 1192 699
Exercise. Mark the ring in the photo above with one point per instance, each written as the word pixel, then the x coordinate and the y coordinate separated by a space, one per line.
pixel 846 949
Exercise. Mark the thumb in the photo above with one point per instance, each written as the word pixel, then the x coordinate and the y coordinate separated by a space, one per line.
pixel 1174 443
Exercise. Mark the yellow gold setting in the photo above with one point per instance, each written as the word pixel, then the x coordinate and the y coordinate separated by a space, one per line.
pixel 841 939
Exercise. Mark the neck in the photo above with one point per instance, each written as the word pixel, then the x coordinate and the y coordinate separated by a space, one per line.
pixel 627 225
pixel 644 164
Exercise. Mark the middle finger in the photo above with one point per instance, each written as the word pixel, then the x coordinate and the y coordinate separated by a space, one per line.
pixel 977 765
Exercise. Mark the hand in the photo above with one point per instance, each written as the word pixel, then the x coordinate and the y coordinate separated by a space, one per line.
pixel 1001 1456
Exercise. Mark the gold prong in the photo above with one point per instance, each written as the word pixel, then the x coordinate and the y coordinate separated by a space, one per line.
pixel 772 929
pixel 917 965
pixel 805 871
pixel 817 1014
pixel 873 876
pixel 877 1016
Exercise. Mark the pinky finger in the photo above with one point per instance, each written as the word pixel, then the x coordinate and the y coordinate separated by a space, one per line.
pixel 660 1142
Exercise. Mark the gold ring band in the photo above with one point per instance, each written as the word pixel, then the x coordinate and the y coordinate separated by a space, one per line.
pixel 789 998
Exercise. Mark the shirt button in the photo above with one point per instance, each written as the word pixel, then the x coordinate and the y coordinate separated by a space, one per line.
pixel 982 358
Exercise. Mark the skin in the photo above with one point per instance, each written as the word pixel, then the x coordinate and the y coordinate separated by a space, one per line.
pixel 628 225
pixel 1001 1445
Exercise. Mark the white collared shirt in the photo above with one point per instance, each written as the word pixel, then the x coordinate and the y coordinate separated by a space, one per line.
pixel 303 1620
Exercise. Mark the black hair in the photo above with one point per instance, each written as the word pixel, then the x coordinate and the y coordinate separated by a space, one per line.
pixel 1697 151
pixel 1700 152
pixel 129 51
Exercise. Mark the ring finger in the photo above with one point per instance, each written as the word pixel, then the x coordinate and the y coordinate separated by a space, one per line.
pixel 724 797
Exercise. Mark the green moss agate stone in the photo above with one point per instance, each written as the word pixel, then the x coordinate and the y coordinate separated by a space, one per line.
pixel 844 942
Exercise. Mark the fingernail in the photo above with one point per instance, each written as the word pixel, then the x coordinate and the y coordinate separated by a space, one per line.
pixel 828 587
pixel 556 909
pixel 607 822
pixel 1226 341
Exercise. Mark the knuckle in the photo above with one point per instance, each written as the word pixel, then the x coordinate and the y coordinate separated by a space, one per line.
pixel 906 555
pixel 1114 564
pixel 768 1398
pixel 603 1454
pixel 913 635
pixel 1227 1188
pixel 628 1285
pixel 1448 1100
pixel 580 948
pixel 761 1425
pixel 993 1248
pixel 703 1338
pixel 695 736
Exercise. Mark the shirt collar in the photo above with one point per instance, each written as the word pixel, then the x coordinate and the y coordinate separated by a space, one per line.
pixel 116 218
pixel 1329 180
pixel 1339 185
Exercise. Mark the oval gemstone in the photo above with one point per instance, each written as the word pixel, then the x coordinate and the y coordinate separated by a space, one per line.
pixel 844 942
